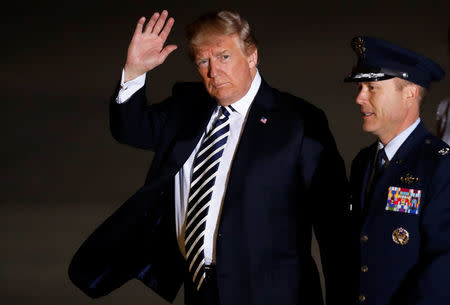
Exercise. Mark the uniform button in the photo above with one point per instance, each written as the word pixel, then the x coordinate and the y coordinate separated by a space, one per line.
pixel 362 298
pixel 364 268
pixel 364 238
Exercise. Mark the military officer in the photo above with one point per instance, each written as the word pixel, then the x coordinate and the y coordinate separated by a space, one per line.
pixel 401 183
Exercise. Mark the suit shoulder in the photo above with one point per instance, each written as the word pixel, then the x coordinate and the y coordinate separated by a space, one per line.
pixel 304 108
pixel 435 149
pixel 364 154
pixel 189 90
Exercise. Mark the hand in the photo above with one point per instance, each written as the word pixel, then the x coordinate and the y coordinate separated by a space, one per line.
pixel 146 50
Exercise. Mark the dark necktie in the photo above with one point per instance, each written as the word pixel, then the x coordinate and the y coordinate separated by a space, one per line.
pixel 204 173
pixel 381 161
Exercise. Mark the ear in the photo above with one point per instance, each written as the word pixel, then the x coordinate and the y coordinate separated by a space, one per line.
pixel 253 59
pixel 410 94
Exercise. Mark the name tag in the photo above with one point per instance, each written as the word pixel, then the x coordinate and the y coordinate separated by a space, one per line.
pixel 403 200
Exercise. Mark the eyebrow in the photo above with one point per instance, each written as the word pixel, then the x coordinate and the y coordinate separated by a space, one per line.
pixel 214 54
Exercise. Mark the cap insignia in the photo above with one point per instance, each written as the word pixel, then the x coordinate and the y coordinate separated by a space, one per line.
pixel 359 47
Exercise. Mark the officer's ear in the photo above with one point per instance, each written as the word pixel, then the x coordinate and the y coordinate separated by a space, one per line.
pixel 410 92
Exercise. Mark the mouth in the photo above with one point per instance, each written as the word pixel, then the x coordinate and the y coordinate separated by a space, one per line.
pixel 217 86
pixel 366 115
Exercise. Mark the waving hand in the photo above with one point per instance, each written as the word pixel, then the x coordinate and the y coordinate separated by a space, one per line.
pixel 146 50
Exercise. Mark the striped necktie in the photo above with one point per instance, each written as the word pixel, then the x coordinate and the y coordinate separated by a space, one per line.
pixel 204 173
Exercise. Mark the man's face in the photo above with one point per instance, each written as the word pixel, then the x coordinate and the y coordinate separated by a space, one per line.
pixel 383 108
pixel 226 70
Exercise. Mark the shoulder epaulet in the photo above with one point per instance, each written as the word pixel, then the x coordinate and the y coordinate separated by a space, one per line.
pixel 436 147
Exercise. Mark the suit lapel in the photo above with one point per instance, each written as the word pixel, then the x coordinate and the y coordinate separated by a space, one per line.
pixel 254 134
pixel 193 122
pixel 365 177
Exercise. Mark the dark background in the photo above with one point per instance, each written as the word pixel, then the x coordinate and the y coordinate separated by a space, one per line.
pixel 63 174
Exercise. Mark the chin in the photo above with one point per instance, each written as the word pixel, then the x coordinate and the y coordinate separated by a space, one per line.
pixel 366 128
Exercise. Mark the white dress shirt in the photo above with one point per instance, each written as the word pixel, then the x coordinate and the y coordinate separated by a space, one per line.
pixel 391 148
pixel 183 177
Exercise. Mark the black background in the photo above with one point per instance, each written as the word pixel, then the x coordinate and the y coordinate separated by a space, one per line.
pixel 63 174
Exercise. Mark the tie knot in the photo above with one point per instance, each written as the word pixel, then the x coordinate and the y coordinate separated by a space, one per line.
pixel 382 159
pixel 226 110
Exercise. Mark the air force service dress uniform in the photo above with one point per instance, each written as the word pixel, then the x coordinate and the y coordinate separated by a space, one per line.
pixel 403 226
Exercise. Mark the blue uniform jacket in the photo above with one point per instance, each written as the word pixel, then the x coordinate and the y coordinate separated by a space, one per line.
pixel 417 270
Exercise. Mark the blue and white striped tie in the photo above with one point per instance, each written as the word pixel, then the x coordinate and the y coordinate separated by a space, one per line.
pixel 204 173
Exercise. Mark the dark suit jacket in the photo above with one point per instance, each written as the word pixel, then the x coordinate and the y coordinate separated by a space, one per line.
pixel 286 176
pixel 417 272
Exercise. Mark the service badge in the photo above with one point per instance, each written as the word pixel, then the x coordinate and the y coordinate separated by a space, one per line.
pixel 400 236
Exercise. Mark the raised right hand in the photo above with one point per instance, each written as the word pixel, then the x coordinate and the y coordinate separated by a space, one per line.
pixel 146 50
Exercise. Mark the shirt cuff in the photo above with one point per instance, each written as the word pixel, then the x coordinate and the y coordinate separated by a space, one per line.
pixel 129 88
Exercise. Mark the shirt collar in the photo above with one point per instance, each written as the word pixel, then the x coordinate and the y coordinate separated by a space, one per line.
pixel 391 148
pixel 242 105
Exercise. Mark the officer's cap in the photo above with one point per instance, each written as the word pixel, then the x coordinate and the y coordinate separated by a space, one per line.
pixel 380 60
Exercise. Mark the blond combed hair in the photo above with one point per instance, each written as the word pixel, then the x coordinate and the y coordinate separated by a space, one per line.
pixel 401 83
pixel 221 23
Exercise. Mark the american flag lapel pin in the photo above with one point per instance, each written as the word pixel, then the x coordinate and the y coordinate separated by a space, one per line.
pixel 263 120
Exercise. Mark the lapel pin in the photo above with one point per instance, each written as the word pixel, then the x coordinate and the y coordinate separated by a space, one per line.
pixel 263 120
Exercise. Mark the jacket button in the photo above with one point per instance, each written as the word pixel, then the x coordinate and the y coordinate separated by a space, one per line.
pixel 364 238
pixel 364 268
pixel 362 298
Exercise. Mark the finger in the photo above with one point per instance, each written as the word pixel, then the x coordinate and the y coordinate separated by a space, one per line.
pixel 160 23
pixel 166 51
pixel 167 28
pixel 151 22
pixel 139 26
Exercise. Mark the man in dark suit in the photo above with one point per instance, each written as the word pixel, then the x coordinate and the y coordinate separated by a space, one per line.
pixel 241 174
pixel 401 183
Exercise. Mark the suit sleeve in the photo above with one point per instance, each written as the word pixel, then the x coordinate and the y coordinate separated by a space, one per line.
pixel 328 195
pixel 136 241
pixel 137 124
pixel 430 283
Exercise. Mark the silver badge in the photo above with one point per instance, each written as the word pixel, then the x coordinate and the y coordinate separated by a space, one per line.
pixel 444 151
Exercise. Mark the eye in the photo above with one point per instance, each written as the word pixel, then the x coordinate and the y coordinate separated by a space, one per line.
pixel 225 57
pixel 202 62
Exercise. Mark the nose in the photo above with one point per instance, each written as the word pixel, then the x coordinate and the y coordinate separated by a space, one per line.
pixel 212 69
pixel 361 97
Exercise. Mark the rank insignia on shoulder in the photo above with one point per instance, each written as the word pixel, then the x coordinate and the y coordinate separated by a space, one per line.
pixel 400 236
pixel 403 200
pixel 444 151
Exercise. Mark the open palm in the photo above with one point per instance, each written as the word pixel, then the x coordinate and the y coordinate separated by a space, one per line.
pixel 146 50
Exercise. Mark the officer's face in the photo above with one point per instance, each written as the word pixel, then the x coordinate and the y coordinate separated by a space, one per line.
pixel 383 109
pixel 227 71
